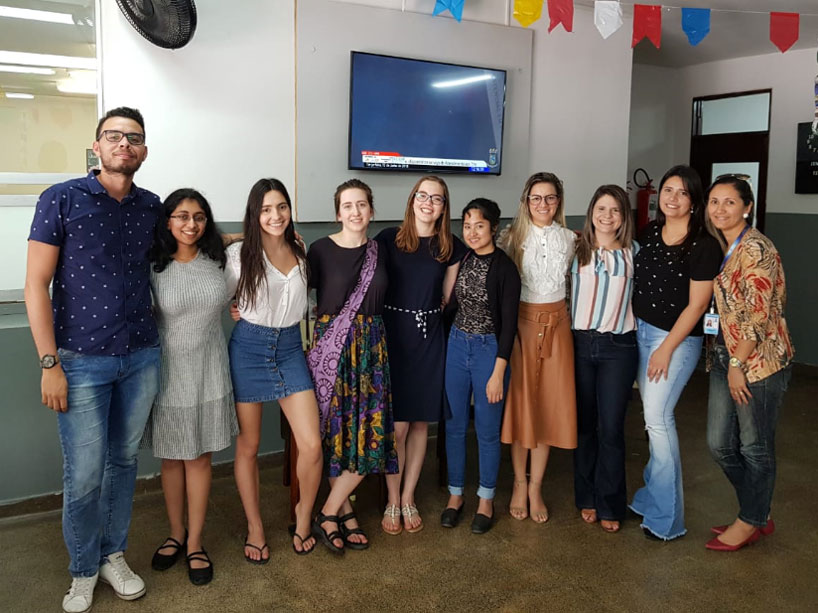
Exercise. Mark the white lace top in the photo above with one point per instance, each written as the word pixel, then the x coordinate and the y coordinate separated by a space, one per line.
pixel 547 255
pixel 282 301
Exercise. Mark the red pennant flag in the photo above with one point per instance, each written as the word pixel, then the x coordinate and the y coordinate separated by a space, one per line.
pixel 647 21
pixel 561 12
pixel 784 29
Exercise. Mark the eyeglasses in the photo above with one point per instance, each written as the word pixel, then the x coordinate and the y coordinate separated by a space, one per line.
pixel 198 218
pixel 114 136
pixel 550 199
pixel 424 197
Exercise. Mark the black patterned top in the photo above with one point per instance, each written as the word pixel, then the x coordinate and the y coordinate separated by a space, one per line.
pixel 473 313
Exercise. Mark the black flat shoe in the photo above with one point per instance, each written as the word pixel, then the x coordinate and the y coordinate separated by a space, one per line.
pixel 481 523
pixel 451 517
pixel 162 561
pixel 345 532
pixel 327 538
pixel 199 576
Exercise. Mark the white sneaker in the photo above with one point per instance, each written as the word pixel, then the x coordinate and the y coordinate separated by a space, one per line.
pixel 115 572
pixel 80 596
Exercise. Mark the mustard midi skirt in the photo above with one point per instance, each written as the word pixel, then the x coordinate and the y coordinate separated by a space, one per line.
pixel 541 405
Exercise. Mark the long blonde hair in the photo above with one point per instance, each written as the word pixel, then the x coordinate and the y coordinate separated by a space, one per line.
pixel 513 243
pixel 441 244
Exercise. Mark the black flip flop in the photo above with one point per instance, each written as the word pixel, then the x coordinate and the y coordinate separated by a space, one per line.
pixel 327 538
pixel 294 534
pixel 261 561
pixel 345 532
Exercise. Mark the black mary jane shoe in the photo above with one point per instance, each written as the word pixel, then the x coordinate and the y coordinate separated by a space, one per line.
pixel 162 561
pixel 451 517
pixel 346 532
pixel 327 538
pixel 482 523
pixel 199 576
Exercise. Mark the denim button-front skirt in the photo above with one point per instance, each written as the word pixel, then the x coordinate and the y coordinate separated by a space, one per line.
pixel 267 363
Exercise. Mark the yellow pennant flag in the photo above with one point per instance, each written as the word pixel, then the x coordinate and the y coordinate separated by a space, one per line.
pixel 527 11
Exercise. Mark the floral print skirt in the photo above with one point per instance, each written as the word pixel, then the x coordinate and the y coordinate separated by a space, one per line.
pixel 360 432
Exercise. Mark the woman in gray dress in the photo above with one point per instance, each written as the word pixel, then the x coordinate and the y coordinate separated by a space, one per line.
pixel 193 414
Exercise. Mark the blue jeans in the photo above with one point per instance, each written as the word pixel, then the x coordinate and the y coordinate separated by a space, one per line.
pixel 469 363
pixel 605 367
pixel 109 400
pixel 661 501
pixel 742 437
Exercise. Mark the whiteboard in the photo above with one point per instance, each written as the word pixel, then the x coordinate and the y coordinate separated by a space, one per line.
pixel 327 31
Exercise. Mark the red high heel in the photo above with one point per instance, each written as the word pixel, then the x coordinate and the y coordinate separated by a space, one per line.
pixel 715 544
pixel 765 530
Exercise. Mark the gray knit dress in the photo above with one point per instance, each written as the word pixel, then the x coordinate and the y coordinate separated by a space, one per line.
pixel 193 412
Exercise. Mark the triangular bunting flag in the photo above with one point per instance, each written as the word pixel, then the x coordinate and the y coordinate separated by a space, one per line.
pixel 696 24
pixel 455 7
pixel 527 11
pixel 647 21
pixel 784 29
pixel 561 12
pixel 607 16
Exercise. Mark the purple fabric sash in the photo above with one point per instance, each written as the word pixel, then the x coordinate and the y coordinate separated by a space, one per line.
pixel 323 358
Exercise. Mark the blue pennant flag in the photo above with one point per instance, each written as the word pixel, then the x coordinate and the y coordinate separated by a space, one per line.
pixel 455 7
pixel 696 24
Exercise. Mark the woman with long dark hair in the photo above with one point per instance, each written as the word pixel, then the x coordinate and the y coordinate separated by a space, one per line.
pixel 484 306
pixel 348 271
pixel 540 409
pixel 422 259
pixel 605 354
pixel 268 273
pixel 751 362
pixel 193 414
pixel 673 284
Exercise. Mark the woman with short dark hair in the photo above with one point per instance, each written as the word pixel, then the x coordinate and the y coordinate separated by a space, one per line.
pixel 484 306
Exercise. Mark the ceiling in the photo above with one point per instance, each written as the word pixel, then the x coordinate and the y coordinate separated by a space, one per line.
pixel 732 34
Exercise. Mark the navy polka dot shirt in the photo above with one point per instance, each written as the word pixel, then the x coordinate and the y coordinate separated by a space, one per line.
pixel 101 292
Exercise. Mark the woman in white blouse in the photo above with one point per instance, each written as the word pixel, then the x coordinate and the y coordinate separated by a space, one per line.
pixel 540 410
pixel 267 271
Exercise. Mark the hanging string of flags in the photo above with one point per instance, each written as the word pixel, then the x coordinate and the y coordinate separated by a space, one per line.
pixel 647 19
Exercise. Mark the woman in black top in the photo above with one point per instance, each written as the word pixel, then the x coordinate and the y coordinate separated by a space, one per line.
pixel 673 284
pixel 358 436
pixel 485 301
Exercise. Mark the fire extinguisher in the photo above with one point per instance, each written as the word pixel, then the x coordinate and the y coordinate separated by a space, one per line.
pixel 646 200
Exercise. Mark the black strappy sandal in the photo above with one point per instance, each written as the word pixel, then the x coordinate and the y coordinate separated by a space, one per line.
pixel 199 576
pixel 327 538
pixel 163 561
pixel 345 532
pixel 294 534
pixel 262 560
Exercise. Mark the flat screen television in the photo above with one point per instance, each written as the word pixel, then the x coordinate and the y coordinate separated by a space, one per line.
pixel 414 115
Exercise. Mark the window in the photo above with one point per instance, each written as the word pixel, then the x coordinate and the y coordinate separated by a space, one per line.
pixel 48 112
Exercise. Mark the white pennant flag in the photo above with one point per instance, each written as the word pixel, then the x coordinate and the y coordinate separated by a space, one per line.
pixel 607 17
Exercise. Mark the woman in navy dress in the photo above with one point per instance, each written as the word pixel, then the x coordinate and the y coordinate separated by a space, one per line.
pixel 422 260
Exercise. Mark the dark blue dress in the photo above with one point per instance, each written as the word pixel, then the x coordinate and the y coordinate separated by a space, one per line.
pixel 414 328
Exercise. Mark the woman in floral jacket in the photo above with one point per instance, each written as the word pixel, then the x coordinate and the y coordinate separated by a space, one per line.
pixel 750 364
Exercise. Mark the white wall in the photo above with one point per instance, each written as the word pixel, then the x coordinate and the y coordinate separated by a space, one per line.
pixel 791 76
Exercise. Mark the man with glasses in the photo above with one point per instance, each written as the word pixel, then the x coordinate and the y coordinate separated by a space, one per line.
pixel 98 347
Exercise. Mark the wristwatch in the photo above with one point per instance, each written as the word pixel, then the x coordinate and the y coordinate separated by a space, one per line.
pixel 736 363
pixel 48 361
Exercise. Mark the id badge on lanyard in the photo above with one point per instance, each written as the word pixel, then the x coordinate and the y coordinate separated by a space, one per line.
pixel 711 318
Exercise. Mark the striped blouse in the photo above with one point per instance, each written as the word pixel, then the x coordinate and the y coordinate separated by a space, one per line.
pixel 601 291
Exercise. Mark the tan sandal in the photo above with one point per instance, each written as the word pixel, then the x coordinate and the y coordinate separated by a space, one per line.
pixel 393 513
pixel 588 515
pixel 519 512
pixel 409 511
